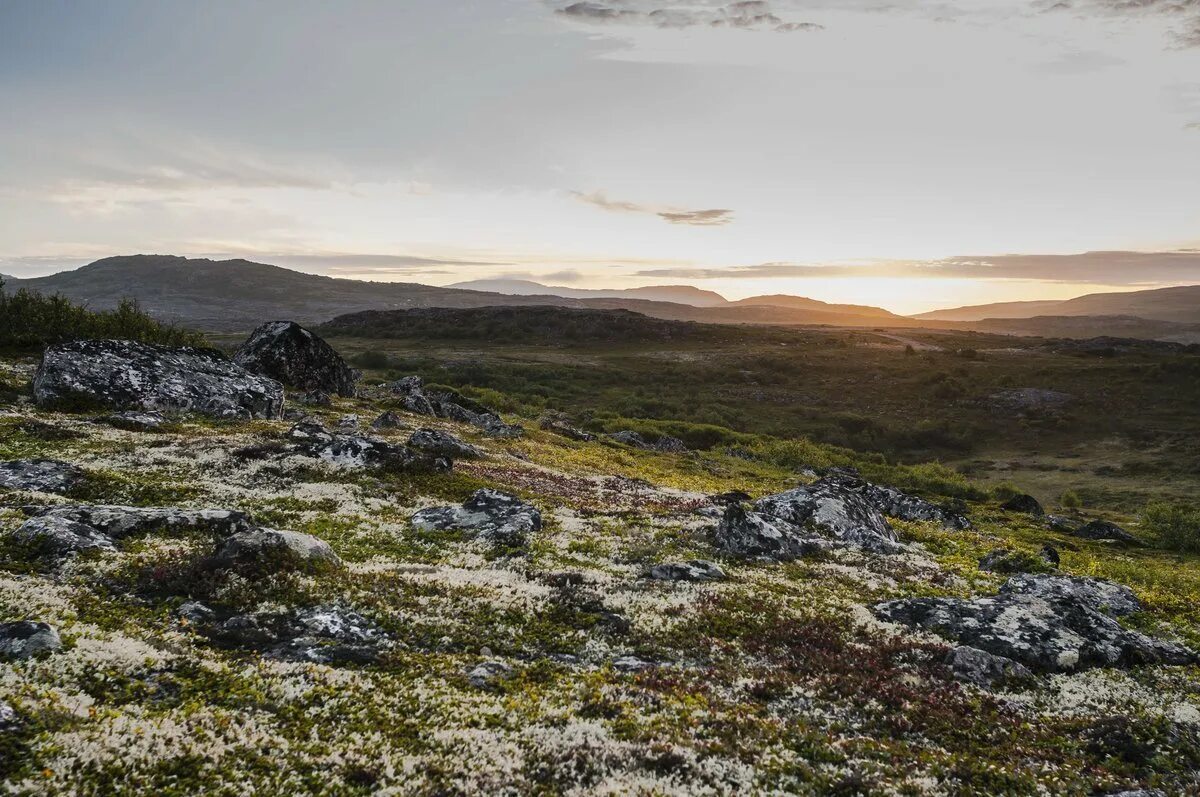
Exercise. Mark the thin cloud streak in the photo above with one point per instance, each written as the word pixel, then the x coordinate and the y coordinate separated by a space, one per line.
pixel 709 217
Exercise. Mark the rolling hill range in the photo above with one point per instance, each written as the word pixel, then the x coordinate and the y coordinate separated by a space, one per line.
pixel 679 294
pixel 231 295
pixel 1180 305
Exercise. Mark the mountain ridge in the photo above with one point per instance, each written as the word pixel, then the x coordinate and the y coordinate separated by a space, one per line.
pixel 1177 304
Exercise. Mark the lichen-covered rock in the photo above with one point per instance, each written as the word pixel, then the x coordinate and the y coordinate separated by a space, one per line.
pixel 895 503
pixel 289 353
pixel 126 375
pixel 491 515
pixel 26 639
pixel 830 509
pixel 488 674
pixel 1026 504
pixel 8 717
pixel 328 634
pixel 743 532
pixel 356 451
pixel 119 522
pixel 453 406
pixel 631 664
pixel 981 668
pixel 60 537
pixel 442 444
pixel 40 475
pixel 1061 523
pixel 135 421
pixel 273 549
pixel 629 438
pixel 1105 530
pixel 693 570
pixel 1047 623
pixel 389 420
pixel 1005 560
pixel 559 424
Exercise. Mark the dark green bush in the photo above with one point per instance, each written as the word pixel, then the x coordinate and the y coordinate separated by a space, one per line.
pixel 1177 526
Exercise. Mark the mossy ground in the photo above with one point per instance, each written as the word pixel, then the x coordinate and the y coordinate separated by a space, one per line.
pixel 777 680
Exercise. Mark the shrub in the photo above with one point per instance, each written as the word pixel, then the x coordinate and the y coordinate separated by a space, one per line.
pixel 1177 526
pixel 32 320
pixel 371 360
pixel 1070 500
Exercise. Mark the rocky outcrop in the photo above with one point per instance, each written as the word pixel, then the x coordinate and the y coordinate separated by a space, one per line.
pixel 665 443
pixel 125 375
pixel 26 639
pixel 559 424
pixel 328 634
pixel 1026 504
pixel 40 475
pixel 490 515
pixel 262 549
pixel 489 674
pixel 984 669
pixel 833 511
pixel 389 420
pixel 358 451
pixel 442 444
pixel 289 353
pixel 693 570
pixel 453 406
pixel 57 537
pixel 897 504
pixel 1047 623
pixel 1105 530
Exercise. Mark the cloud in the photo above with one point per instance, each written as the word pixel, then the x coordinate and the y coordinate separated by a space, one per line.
pixel 743 14
pixel 708 217
pixel 1184 34
pixel 1102 268
pixel 1079 62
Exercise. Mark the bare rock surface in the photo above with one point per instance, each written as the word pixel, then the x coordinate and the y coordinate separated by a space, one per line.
pixel 25 639
pixel 491 515
pixel 126 375
pixel 40 475
pixel 291 354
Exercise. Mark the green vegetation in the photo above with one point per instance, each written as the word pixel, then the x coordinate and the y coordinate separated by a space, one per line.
pixel 1177 526
pixel 31 320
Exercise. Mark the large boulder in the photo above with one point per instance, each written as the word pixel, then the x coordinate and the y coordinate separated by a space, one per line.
pixel 126 375
pixel 490 515
pixel 1106 530
pixel 26 639
pixel 834 511
pixel 273 549
pixel 289 353
pixel 747 533
pixel 897 504
pixel 1025 504
pixel 40 475
pixel 442 444
pixel 1047 623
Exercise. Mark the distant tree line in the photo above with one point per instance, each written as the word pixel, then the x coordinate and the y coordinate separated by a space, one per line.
pixel 31 320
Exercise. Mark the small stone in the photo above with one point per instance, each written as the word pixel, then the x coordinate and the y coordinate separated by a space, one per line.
pixel 631 664
pixel 26 639
pixel 1026 504
pixel 135 421
pixel 982 668
pixel 389 420
pixel 1104 530
pixel 491 515
pixel 489 674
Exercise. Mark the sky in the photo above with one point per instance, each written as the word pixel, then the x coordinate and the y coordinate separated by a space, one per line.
pixel 912 154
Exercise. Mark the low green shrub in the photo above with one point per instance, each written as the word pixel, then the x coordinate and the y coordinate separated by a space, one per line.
pixel 1177 526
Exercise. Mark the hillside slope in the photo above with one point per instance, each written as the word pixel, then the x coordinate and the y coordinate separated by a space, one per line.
pixel 1178 304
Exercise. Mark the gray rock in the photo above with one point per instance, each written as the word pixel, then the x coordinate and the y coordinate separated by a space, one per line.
pixel 491 515
pixel 195 612
pixel 289 353
pixel 629 438
pixel 1104 530
pixel 135 421
pixel 1049 555
pixel 1047 623
pixel 442 444
pixel 833 511
pixel 1023 503
pixel 316 398
pixel 489 674
pixel 389 420
pixel 355 451
pixel 119 522
pixel 981 668
pixel 273 549
pixel 40 475
pixel 413 397
pixel 561 426
pixel 8 717
pixel 125 375
pixel 25 639
pixel 327 634
pixel 897 504
pixel 694 570
pixel 1105 596
pixel 631 664
pixel 60 537
pixel 348 423
pixel 669 445
pixel 752 534
pixel 1061 523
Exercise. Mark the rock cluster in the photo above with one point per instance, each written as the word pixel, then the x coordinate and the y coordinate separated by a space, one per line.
pixel 135 421
pixel 693 570
pixel 327 634
pixel 358 451
pixel 496 517
pixel 289 353
pixel 453 406
pixel 897 504
pixel 40 475
pixel 126 375
pixel 1047 623
pixel 442 444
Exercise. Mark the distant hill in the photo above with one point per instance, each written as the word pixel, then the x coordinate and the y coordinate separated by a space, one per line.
pixel 539 326
pixel 803 303
pixel 1089 326
pixel 1180 305
pixel 235 295
pixel 680 294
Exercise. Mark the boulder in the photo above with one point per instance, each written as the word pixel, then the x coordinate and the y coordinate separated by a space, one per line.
pixel 348 423
pixel 1049 555
pixel 669 445
pixel 411 392
pixel 356 451
pixel 491 515
pixel 1004 560
pixel 289 353
pixel 135 421
pixel 442 444
pixel 693 570
pixel 629 438
pixel 126 375
pixel 984 669
pixel 560 425
pixel 40 475
pixel 746 533
pixel 1047 623
pixel 453 406
pixel 26 639
pixel 897 504
pixel 316 398
pixel 1061 523
pixel 119 522
pixel 59 537
pixel 389 420
pixel 832 510
pixel 273 549
pixel 1026 504
pixel 327 634
pixel 1104 530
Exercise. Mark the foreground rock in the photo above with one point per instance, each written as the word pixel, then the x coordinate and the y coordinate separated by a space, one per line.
pixel 273 550
pixel 134 421
pixel 1047 623
pixel 1026 504
pixel 897 504
pixel 40 475
pixel 321 634
pixel 453 406
pixel 666 444
pixel 442 444
pixel 805 520
pixel 26 639
pixel 125 375
pixel 694 570
pixel 289 353
pixel 358 451
pixel 981 668
pixel 490 515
